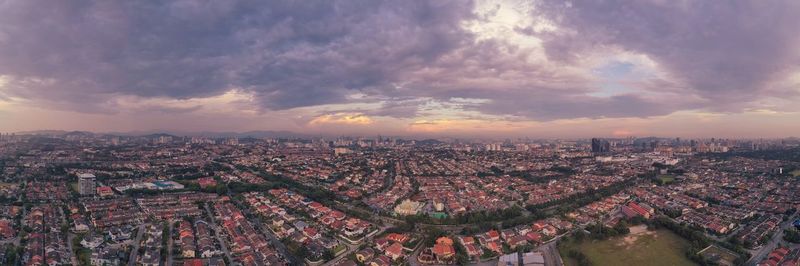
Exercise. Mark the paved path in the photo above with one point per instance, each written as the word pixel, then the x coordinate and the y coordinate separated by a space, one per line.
pixel 136 242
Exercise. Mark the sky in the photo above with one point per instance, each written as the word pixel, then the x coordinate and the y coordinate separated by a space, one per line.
pixel 540 69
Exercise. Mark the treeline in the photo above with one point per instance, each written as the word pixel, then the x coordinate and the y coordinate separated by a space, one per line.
pixel 572 202
pixel 579 257
pixel 601 232
pixel 791 235
pixel 469 218
pixel 786 154
pixel 536 179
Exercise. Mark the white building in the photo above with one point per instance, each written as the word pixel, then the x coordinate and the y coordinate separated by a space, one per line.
pixel 86 184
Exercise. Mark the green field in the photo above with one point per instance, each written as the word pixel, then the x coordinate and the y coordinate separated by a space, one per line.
pixel 660 247
pixel 666 179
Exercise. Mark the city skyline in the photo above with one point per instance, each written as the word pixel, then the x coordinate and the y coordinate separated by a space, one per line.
pixel 484 69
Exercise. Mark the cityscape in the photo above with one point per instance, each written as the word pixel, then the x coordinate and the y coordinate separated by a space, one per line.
pixel 84 198
pixel 399 133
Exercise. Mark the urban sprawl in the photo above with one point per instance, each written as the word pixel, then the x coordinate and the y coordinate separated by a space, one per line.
pixel 80 198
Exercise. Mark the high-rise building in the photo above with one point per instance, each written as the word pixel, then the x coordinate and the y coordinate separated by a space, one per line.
pixel 600 146
pixel 86 184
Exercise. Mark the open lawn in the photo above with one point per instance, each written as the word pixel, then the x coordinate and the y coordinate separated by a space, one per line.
pixel 640 247
pixel 666 179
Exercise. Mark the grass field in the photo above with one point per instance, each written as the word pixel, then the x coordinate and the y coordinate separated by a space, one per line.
pixel 642 247
pixel 666 179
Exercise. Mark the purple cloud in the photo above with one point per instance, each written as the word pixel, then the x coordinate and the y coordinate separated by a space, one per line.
pixel 83 55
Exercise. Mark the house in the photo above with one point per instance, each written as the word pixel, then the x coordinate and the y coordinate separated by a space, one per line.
pixel 312 233
pixel 467 240
pixel 549 230
pixel 538 226
pixel 534 237
pixel 508 233
pixel 473 250
pixel 495 247
pixel 92 242
pixel 400 238
pixel 105 191
pixel 517 241
pixel 380 261
pixel 492 235
pixel 206 182
pixel 365 254
pixel 381 243
pixel 193 262
pixel 80 225
pixel 443 249
pixel 394 251
pixel 105 256
pixel 6 230
pixel 444 240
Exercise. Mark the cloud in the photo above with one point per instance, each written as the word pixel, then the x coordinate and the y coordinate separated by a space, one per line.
pixel 341 119
pixel 409 60
pixel 728 53
pixel 288 53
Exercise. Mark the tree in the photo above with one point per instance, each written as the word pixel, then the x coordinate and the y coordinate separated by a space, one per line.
pixel 791 235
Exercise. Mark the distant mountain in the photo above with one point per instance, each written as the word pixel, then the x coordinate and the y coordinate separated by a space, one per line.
pixel 43 132
pixel 159 133
pixel 213 134
pixel 429 142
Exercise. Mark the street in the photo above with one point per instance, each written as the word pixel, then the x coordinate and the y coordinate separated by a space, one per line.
pixel 776 239
pixel 170 242
pixel 216 233
pixel 135 247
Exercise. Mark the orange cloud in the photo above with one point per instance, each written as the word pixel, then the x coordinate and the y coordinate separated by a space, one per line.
pixel 342 119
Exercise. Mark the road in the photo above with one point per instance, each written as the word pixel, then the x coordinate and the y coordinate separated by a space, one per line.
pixel 776 239
pixel 221 241
pixel 136 243
pixel 170 242
pixel 550 253
pixel 70 236
pixel 256 219
pixel 72 257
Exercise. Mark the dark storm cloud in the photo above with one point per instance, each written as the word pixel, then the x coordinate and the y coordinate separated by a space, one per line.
pixel 728 52
pixel 82 55
pixel 289 53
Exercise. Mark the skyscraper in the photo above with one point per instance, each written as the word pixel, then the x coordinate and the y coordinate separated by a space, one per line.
pixel 600 146
pixel 86 184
